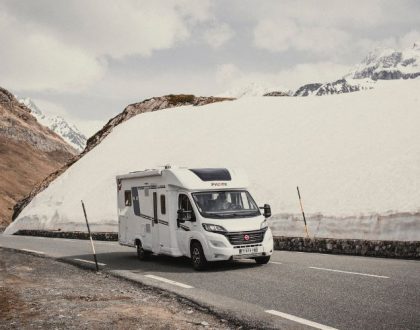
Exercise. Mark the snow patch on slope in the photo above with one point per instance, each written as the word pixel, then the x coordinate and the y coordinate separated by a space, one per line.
pixel 353 155
pixel 254 89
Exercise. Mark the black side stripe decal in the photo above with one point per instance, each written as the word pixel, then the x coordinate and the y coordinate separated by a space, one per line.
pixel 162 222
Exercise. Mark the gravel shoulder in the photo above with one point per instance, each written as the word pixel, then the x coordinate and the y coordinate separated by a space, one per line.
pixel 43 293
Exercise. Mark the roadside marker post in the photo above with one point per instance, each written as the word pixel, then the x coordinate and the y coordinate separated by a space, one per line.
pixel 90 237
pixel 303 213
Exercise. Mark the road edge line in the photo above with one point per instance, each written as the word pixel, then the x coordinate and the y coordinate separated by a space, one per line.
pixel 300 320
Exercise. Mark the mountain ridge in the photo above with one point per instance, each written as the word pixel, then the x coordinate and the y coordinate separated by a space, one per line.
pixel 29 152
pixel 68 131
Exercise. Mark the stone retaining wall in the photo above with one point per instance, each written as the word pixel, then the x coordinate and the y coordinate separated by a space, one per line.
pixel 66 234
pixel 388 249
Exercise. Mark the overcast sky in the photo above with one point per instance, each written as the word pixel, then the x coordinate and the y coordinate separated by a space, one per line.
pixel 88 59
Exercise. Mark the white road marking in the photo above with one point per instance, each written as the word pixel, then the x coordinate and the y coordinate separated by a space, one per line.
pixel 182 285
pixel 300 320
pixel 105 243
pixel 37 237
pixel 346 272
pixel 275 262
pixel 90 262
pixel 33 251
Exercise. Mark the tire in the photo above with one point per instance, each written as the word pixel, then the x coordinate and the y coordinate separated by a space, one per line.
pixel 141 253
pixel 198 258
pixel 262 260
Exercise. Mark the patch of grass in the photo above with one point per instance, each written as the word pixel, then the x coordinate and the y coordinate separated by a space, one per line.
pixel 180 98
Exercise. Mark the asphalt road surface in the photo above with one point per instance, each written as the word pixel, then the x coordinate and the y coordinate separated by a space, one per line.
pixel 294 291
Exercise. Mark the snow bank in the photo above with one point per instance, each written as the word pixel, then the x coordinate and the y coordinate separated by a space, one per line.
pixel 353 155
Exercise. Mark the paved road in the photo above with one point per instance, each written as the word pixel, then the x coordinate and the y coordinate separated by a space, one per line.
pixel 296 290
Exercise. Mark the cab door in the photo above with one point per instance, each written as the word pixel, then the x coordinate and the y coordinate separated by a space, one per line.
pixel 184 228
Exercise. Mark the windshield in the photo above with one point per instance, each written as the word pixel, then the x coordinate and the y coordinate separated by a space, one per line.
pixel 226 204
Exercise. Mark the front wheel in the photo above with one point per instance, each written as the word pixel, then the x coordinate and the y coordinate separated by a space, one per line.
pixel 262 260
pixel 198 258
pixel 141 253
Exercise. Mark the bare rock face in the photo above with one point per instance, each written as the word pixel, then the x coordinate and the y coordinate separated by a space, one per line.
pixel 276 93
pixel 149 105
pixel 308 89
pixel 28 153
pixel 336 87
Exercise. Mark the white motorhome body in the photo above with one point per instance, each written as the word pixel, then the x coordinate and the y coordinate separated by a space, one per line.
pixel 187 212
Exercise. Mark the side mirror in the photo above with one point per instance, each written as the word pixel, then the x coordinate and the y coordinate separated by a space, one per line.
pixel 267 210
pixel 185 216
pixel 181 216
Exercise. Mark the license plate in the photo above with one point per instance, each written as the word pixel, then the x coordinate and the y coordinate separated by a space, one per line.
pixel 248 250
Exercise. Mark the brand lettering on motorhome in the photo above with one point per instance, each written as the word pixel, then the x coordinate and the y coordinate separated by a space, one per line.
pixel 218 184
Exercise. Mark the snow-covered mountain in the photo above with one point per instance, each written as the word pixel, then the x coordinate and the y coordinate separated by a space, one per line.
pixel 255 89
pixel 69 132
pixel 380 64
pixel 387 63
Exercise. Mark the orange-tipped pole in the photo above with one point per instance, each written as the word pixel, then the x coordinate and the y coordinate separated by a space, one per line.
pixel 303 213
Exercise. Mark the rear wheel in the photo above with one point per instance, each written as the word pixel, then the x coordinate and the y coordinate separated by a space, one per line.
pixel 198 258
pixel 262 260
pixel 141 253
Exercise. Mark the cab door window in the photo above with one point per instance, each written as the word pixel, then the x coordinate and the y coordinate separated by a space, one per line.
pixel 185 204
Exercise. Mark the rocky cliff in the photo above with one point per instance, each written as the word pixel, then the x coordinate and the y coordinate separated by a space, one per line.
pixel 28 153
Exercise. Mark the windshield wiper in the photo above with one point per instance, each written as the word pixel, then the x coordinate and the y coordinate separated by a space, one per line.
pixel 216 215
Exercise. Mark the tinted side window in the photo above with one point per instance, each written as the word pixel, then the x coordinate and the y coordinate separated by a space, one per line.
pixel 162 204
pixel 184 203
pixel 127 197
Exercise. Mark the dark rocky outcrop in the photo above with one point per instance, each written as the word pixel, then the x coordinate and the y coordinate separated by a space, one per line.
pixel 276 93
pixel 336 87
pixel 307 89
pixel 149 105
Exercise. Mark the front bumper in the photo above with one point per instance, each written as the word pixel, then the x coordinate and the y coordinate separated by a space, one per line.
pixel 214 252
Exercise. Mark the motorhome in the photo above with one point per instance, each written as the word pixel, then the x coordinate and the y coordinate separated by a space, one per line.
pixel 206 214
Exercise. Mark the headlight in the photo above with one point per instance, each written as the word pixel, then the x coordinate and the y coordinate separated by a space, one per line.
pixel 214 228
pixel 218 244
pixel 264 224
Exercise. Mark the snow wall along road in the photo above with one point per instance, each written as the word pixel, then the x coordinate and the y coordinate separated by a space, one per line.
pixel 355 157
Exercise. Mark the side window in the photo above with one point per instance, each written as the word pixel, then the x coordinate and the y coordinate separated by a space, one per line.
pixel 162 204
pixel 127 197
pixel 185 204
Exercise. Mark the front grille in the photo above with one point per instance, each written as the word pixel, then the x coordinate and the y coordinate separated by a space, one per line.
pixel 238 238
